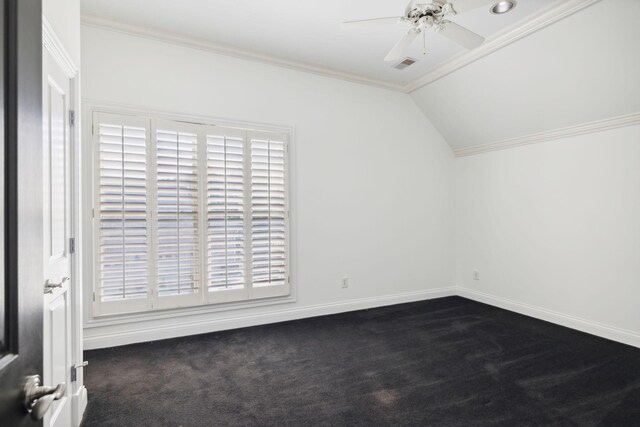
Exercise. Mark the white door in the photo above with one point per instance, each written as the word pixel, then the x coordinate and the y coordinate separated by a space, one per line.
pixel 56 215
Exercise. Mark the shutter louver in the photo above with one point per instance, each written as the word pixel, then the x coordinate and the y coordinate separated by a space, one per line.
pixel 268 212
pixel 225 211
pixel 177 222
pixel 122 218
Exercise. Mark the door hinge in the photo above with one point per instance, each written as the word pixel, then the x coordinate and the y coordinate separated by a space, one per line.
pixel 74 370
pixel 72 245
pixel 72 118
pixel 94 296
pixel 93 213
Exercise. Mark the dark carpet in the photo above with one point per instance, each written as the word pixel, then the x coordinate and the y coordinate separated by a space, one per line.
pixel 444 362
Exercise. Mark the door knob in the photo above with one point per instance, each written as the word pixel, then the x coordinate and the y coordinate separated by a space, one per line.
pixel 49 285
pixel 38 398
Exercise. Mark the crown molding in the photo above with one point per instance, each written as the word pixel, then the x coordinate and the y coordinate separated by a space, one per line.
pixel 589 127
pixel 531 24
pixel 54 46
pixel 542 19
pixel 196 43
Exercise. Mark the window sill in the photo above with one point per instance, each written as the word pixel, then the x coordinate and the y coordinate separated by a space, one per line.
pixel 117 319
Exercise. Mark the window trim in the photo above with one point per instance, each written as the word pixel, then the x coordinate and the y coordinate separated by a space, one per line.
pixel 94 316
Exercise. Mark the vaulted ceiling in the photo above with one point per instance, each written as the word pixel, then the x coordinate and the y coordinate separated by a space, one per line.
pixel 581 69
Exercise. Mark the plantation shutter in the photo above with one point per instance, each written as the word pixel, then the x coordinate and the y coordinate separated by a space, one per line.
pixel 177 237
pixel 269 214
pixel 120 213
pixel 187 214
pixel 226 223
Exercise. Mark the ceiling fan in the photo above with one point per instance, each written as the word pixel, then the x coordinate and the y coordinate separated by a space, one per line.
pixel 422 15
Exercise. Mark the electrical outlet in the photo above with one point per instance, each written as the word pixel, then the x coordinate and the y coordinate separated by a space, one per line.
pixel 345 282
pixel 476 275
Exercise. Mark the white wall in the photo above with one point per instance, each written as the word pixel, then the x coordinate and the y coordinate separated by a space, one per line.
pixel 582 68
pixel 554 230
pixel 373 195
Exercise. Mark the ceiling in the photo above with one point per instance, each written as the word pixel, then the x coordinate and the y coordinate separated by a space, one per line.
pixel 307 32
pixel 578 70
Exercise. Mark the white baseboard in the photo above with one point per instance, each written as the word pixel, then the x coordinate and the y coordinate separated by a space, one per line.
pixel 95 339
pixel 78 405
pixel 583 325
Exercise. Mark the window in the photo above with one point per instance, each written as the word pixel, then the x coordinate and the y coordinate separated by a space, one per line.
pixel 187 214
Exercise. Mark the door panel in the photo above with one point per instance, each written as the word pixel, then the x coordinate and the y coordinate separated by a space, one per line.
pixel 56 160
pixel 57 354
pixel 21 136
pixel 56 215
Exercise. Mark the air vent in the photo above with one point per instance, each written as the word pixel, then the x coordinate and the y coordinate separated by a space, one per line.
pixel 405 63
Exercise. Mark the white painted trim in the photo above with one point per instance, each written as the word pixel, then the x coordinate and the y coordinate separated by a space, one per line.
pixel 530 25
pixel 54 46
pixel 594 328
pixel 181 312
pixel 589 127
pixel 102 340
pixel 196 43
pixel 96 105
pixel 134 334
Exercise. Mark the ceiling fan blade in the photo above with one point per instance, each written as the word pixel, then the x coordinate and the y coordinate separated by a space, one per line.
pixel 465 38
pixel 364 23
pixel 403 44
pixel 463 5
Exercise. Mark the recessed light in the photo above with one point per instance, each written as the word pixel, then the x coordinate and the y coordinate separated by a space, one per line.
pixel 503 6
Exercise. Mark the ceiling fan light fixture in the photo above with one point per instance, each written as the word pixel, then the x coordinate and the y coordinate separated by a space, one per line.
pixel 429 16
pixel 503 6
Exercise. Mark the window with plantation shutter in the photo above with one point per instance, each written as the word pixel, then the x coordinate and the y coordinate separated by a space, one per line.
pixel 268 213
pixel 226 264
pixel 177 235
pixel 187 214
pixel 122 229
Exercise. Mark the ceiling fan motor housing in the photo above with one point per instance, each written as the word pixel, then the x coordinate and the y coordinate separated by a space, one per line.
pixel 420 12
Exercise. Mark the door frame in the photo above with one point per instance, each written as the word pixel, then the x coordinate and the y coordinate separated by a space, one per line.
pixel 52 44
pixel 23 276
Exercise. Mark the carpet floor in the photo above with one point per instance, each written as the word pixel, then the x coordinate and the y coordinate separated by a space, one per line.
pixel 443 362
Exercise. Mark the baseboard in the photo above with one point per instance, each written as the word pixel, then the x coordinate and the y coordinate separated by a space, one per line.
pixel 95 339
pixel 583 325
pixel 78 405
